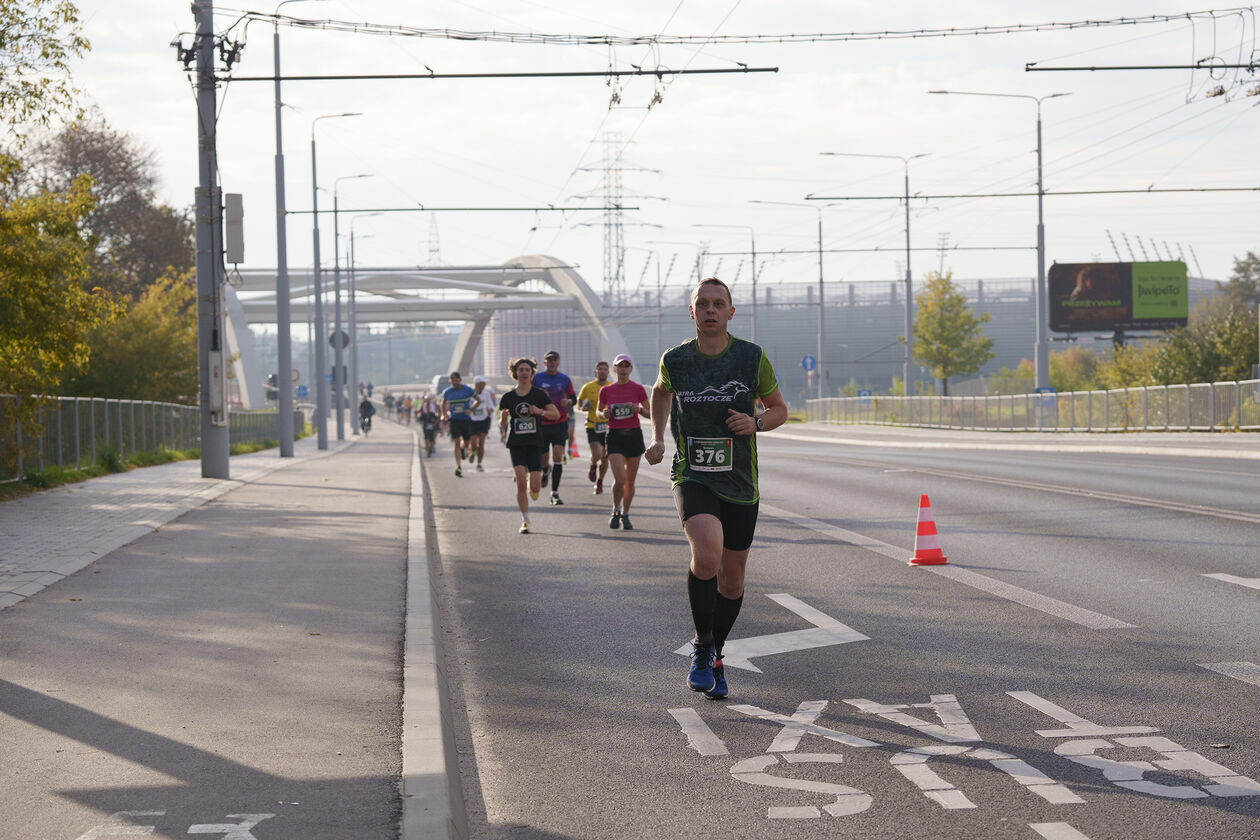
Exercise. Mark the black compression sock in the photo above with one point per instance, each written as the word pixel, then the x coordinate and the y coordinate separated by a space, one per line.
pixel 724 615
pixel 703 596
pixel 556 470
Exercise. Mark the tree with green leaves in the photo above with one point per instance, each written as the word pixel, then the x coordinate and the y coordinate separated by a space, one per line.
pixel 46 314
pixel 137 238
pixel 948 335
pixel 149 353
pixel 38 39
pixel 1243 288
pixel 1219 344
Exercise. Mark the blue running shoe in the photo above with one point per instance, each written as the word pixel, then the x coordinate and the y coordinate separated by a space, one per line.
pixel 701 676
pixel 718 692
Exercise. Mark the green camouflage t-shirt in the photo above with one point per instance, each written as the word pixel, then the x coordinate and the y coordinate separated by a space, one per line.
pixel 705 388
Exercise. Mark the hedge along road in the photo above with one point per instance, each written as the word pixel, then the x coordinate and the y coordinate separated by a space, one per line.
pixel 1073 672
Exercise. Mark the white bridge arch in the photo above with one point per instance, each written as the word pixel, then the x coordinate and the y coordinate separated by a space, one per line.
pixel 530 284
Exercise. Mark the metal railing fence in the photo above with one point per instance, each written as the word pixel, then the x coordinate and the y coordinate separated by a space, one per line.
pixel 1203 406
pixel 73 432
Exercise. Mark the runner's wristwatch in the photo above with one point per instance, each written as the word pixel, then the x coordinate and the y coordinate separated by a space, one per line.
pixel 759 424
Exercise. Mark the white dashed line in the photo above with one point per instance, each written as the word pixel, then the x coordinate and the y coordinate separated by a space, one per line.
pixel 1248 672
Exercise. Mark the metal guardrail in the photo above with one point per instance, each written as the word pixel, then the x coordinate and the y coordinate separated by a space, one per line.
pixel 1204 406
pixel 72 432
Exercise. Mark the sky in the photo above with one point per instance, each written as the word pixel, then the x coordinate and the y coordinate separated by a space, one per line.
pixel 713 149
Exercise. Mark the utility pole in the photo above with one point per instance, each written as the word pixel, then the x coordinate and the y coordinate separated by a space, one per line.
pixel 211 355
pixel 284 338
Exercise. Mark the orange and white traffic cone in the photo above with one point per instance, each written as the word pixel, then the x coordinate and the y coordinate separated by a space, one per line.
pixel 927 548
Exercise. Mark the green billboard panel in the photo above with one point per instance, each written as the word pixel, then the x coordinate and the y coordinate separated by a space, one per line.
pixel 1160 292
pixel 1105 297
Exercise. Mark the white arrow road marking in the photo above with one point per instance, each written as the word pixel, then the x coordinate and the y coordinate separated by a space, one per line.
pixel 826 631
pixel 1254 583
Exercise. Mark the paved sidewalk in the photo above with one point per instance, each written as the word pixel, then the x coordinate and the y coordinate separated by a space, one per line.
pixel 47 536
pixel 361 499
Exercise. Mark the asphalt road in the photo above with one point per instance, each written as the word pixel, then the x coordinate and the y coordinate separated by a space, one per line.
pixel 1049 682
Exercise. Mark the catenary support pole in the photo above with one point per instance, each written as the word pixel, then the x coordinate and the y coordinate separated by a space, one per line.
pixel 210 344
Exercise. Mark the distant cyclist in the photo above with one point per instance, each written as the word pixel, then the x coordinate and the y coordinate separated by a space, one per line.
pixel 366 410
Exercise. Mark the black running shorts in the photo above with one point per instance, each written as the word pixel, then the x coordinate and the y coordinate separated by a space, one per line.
pixel 627 442
pixel 461 428
pixel 595 438
pixel 529 457
pixel 738 521
pixel 481 427
pixel 555 434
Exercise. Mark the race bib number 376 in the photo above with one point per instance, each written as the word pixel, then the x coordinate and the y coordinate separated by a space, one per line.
pixel 709 454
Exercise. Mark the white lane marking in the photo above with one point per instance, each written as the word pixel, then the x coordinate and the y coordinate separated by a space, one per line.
pixel 1254 583
pixel 1057 831
pixel 799 723
pixel 848 800
pixel 1130 774
pixel 1248 672
pixel 825 632
pixel 1041 603
pixel 1078 727
pixel 954 727
pixel 699 736
pixel 116 827
pixel 240 831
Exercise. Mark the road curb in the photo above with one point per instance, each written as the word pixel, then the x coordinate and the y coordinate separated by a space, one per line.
pixel 432 791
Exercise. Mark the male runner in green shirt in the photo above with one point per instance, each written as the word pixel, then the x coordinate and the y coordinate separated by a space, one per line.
pixel 708 386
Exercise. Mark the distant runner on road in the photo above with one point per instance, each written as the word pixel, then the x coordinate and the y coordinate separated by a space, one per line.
pixel 596 429
pixel 520 411
pixel 555 432
pixel 709 386
pixel 620 404
pixel 482 408
pixel 456 401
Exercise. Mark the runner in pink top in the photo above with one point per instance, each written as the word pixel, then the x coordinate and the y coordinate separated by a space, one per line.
pixel 621 404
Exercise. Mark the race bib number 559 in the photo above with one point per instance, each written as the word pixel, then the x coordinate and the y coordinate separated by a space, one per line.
pixel 709 454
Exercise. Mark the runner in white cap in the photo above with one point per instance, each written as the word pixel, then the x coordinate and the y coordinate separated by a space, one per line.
pixel 621 403
pixel 482 407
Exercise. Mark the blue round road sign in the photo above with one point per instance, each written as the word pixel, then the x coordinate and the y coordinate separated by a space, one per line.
pixel 302 390
pixel 809 363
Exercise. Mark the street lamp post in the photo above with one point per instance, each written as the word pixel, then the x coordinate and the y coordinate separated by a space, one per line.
pixel 339 384
pixel 908 359
pixel 753 237
pixel 1041 351
pixel 821 332
pixel 321 391
pixel 354 318
pixel 284 339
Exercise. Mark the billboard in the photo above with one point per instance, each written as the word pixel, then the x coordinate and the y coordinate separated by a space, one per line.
pixel 1088 297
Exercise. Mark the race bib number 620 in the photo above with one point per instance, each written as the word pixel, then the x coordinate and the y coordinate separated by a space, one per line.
pixel 709 454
